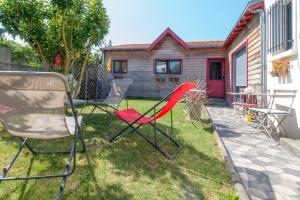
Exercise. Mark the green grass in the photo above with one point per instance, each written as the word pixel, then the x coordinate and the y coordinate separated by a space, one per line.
pixel 127 169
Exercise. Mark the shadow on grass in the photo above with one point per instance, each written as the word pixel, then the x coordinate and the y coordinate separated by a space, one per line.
pixel 132 157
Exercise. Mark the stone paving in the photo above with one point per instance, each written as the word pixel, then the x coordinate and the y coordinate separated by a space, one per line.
pixel 267 170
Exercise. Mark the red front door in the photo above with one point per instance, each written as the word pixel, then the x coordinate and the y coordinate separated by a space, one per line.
pixel 215 77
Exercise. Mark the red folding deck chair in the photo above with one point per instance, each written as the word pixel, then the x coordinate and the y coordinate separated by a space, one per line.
pixel 133 117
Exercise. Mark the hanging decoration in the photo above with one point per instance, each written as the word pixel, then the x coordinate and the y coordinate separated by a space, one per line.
pixel 280 69
pixel 58 61
pixel 109 65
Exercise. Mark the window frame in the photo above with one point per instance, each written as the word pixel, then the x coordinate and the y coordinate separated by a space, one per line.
pixel 119 60
pixel 278 27
pixel 168 60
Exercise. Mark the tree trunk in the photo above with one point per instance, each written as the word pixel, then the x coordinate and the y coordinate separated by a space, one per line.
pixel 78 86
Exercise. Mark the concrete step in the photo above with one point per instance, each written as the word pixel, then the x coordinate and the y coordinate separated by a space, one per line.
pixel 217 102
pixel 291 145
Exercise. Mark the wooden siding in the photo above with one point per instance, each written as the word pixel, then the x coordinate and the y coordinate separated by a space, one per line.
pixel 141 63
pixel 250 36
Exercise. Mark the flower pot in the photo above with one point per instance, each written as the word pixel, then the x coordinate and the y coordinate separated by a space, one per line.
pixel 195 110
pixel 248 118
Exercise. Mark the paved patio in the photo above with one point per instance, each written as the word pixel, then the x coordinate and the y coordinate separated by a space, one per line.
pixel 267 170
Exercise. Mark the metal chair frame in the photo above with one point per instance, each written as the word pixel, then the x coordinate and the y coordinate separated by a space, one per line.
pixel 263 115
pixel 155 144
pixel 72 158
pixel 98 105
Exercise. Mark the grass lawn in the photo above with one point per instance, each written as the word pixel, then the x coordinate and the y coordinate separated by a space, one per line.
pixel 126 169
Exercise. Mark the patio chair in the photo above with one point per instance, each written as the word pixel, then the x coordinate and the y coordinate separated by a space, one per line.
pixel 115 96
pixel 32 109
pixel 247 99
pixel 135 120
pixel 271 118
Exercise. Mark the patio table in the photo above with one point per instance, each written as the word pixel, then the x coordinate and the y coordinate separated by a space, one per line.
pixel 266 116
pixel 243 101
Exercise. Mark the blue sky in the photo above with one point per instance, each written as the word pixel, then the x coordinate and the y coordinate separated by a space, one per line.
pixel 141 21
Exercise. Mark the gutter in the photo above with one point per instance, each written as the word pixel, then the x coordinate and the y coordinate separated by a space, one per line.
pixel 263 55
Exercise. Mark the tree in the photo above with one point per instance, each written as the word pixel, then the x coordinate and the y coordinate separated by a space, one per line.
pixel 2 31
pixel 70 28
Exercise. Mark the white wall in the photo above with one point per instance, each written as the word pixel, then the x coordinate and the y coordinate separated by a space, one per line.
pixel 292 81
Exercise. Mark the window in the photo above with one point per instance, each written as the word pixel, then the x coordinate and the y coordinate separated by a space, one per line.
pixel 240 70
pixel 168 67
pixel 280 26
pixel 215 71
pixel 120 66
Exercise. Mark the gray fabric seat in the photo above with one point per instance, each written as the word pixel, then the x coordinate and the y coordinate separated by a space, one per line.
pixel 32 108
pixel 116 94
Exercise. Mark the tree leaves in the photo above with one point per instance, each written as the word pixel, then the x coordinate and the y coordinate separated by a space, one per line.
pixel 68 27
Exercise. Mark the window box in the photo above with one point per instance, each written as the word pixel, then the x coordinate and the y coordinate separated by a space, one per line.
pixel 159 78
pixel 174 79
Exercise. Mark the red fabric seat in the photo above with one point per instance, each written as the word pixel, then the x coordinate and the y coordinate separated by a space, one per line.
pixel 130 115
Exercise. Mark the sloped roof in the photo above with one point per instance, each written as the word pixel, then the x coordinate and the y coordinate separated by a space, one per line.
pixel 206 44
pixel 244 19
pixel 167 32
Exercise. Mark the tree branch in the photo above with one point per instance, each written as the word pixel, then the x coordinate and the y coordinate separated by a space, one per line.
pixel 77 90
pixel 40 52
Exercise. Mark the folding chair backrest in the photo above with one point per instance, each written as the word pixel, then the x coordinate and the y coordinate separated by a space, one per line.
pixel 117 91
pixel 32 104
pixel 290 94
pixel 175 96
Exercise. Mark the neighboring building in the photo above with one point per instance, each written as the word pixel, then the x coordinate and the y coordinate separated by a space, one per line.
pixel 283 37
pixel 157 68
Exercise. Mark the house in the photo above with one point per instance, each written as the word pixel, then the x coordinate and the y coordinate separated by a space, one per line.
pixel 266 35
pixel 157 68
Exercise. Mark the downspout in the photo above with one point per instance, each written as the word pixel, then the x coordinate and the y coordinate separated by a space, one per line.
pixel 263 76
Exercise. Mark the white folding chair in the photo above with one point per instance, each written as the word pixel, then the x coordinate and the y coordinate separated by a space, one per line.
pixel 271 118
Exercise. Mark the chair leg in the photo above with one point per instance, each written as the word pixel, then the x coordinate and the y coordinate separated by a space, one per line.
pixel 157 146
pixel 117 136
pixel 9 166
pixel 34 152
pixel 107 120
pixel 6 169
pixel 67 172
pixel 90 115
pixel 154 144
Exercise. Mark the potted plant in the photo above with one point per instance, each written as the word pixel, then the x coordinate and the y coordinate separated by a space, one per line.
pixel 280 69
pixel 160 78
pixel 195 100
pixel 174 79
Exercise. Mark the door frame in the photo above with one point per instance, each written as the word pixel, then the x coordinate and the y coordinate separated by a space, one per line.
pixel 239 47
pixel 223 60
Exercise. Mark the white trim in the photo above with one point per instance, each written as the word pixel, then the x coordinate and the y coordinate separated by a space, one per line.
pixel 284 54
